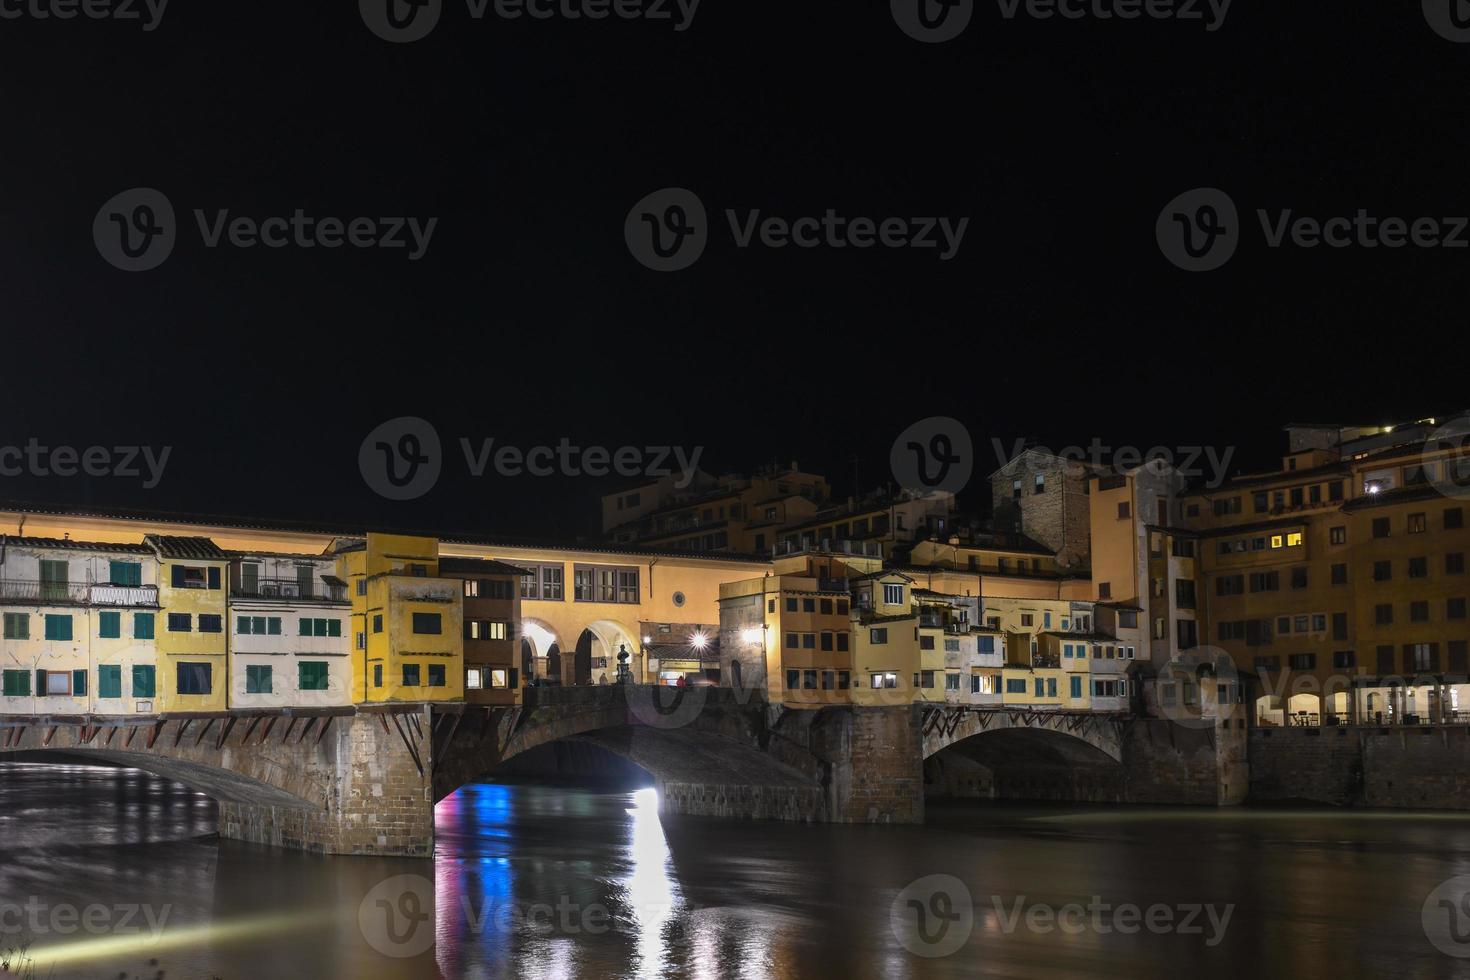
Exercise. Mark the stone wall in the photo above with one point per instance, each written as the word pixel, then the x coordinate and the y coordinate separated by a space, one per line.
pixel 377 802
pixel 1419 768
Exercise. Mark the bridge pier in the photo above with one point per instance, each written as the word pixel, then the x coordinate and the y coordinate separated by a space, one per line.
pixel 375 798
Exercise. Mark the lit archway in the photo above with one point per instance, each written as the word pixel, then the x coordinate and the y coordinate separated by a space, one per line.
pixel 540 651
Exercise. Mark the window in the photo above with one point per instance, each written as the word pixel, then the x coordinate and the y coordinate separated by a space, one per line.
pixel 878 635
pixel 473 679
pixel 425 623
pixel 1454 518
pixel 194 577
pixel 411 675
pixel 1338 535
pixel 192 678
pixel 1104 590
pixel 257 679
pixel 436 675
pixel 56 683
pixel 377 675
pixel 886 680
pixel 1339 626
pixel 1421 656
pixel 1382 571
pixel 17 626
pixel 1076 686
pixel 1027 619
pixel 109 681
pixel 1015 685
pixel 893 594
pixel 1302 661
pixel 1294 539
pixel 844 679
pixel 1265 581
pixel 180 622
pixel 17 683
pixel 1229 585
pixel 1380 527
pixel 1454 563
pixel 826 641
pixel 109 625
pixel 1344 658
pixel 1128 620
pixel 209 623
pixel 1339 574
pixel 1419 611
pixel 808 641
pixel 144 685
pixel 1418 568
pixel 1383 614
pixel 311 675
pixel 1125 510
pixel 58 627
pixel 1418 523
pixel 125 573
pixel 1455 608
pixel 926 643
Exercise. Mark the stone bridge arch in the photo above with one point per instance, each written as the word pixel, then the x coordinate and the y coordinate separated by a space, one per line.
pixel 945 726
pixel 711 751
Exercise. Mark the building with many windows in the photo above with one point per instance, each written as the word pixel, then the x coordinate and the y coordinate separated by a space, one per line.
pixel 290 631
pixel 191 639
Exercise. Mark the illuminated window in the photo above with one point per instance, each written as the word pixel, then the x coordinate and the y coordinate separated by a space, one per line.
pixel 1294 539
pixel 1276 541
pixel 472 679
pixel 500 678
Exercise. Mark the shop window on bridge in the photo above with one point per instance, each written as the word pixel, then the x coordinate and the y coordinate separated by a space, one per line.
pixel 473 679
pixel 109 681
pixel 194 678
pixel 257 680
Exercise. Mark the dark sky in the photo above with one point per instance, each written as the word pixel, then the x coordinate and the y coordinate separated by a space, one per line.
pixel 528 320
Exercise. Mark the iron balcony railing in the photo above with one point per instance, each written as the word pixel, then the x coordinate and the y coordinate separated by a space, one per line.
pixel 77 593
pixel 288 588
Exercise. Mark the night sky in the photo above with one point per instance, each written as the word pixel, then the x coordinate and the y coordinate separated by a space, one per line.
pixel 528 320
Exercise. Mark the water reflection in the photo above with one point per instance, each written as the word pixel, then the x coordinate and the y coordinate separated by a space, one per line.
pixel 545 881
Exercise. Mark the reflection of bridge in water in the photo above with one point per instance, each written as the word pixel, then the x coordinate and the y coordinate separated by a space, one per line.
pixel 364 779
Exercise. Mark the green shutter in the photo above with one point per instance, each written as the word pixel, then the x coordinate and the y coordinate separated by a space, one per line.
pixel 304 627
pixel 242 625
pixel 334 627
pixel 58 627
pixel 142 626
pixel 125 573
pixel 109 681
pixel 274 626
pixel 17 626
pixel 143 681
pixel 312 675
pixel 109 625
pixel 258 680
pixel 78 683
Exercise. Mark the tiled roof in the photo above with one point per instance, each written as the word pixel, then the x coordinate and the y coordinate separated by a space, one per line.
pixel 175 547
pixel 482 566
pixel 68 544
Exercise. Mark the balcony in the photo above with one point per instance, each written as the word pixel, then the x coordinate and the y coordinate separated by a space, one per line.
pixel 34 591
pixel 289 588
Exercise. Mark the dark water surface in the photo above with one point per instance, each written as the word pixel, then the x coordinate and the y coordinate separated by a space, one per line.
pixel 552 882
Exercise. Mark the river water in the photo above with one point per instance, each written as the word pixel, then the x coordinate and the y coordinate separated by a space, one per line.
pixel 114 873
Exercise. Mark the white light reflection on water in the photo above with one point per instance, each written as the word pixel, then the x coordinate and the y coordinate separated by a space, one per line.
pixel 651 891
